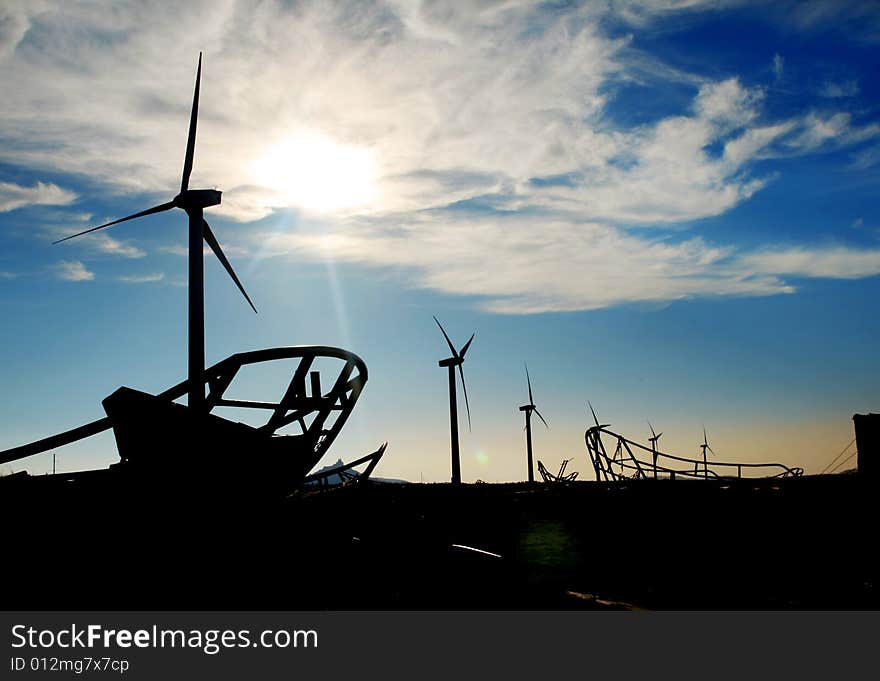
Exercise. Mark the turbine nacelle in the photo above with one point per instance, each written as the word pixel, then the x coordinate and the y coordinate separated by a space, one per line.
pixel 197 198
pixel 531 407
pixel 654 436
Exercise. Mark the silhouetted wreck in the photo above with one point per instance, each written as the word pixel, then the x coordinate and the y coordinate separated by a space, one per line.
pixel 632 460
pixel 169 444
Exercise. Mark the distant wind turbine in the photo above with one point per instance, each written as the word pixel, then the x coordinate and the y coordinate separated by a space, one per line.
pixel 653 440
pixel 596 420
pixel 193 201
pixel 528 409
pixel 456 360
pixel 705 446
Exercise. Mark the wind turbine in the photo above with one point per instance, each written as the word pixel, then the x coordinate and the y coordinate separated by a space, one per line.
pixel 193 202
pixel 596 420
pixel 705 446
pixel 456 360
pixel 528 409
pixel 653 440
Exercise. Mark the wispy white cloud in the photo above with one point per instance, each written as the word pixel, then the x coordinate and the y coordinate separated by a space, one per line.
pixel 778 66
pixel 849 88
pixel 182 251
pixel 496 104
pixel 107 244
pixel 837 130
pixel 14 196
pixel 520 97
pixel 7 275
pixel 867 157
pixel 515 266
pixel 835 262
pixel 73 270
pixel 142 278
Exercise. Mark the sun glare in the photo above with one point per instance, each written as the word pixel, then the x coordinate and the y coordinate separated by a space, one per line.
pixel 311 171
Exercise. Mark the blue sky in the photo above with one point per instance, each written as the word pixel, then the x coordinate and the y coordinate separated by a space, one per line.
pixel 668 208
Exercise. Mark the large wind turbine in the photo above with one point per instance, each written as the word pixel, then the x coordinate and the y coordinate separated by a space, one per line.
pixel 193 202
pixel 456 360
pixel 528 409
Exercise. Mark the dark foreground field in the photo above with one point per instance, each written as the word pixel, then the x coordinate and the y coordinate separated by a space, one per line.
pixel 796 543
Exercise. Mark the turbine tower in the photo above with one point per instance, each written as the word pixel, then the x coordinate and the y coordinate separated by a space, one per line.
pixel 653 440
pixel 193 202
pixel 705 446
pixel 528 409
pixel 456 360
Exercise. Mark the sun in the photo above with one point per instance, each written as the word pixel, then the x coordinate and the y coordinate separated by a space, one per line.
pixel 311 171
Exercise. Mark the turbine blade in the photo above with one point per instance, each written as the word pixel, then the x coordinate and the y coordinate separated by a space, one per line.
pixel 464 390
pixel 653 434
pixel 705 438
pixel 191 138
pixel 448 342
pixel 211 240
pixel 657 437
pixel 465 347
pixel 542 418
pixel 149 211
pixel 593 412
pixel 529 381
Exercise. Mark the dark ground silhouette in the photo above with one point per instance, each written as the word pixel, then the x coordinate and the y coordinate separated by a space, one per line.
pixel 184 542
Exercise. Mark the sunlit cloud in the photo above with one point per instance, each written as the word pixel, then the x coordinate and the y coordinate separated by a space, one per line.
pixel 72 270
pixel 382 118
pixel 836 262
pixel 14 196
pixel 141 279
pixel 111 246
pixel 312 171
pixel 558 267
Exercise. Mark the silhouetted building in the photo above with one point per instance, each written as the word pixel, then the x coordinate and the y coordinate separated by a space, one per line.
pixel 867 428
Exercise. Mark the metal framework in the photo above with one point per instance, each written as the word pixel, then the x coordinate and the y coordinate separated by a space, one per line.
pixel 624 464
pixel 346 471
pixel 319 415
pixel 561 476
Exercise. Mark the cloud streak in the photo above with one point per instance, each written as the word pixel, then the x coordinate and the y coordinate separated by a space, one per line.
pixel 141 279
pixel 561 266
pixel 13 196
pixel 72 270
pixel 107 244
